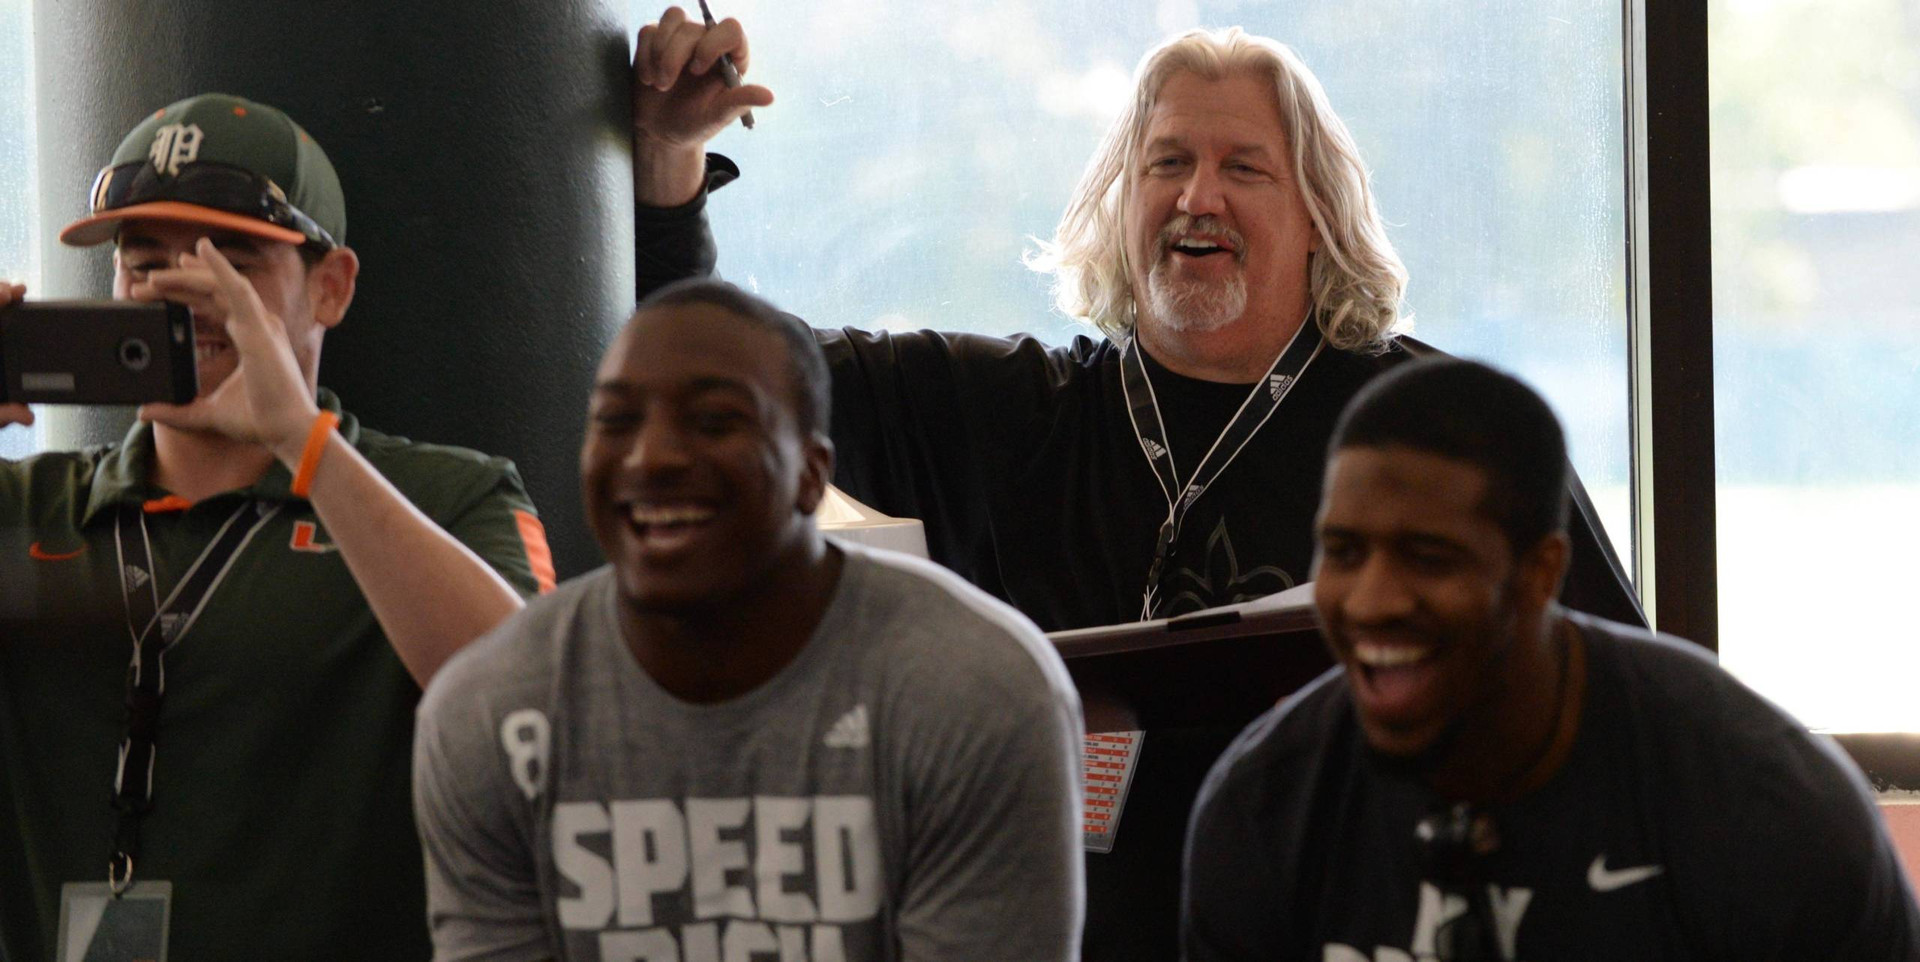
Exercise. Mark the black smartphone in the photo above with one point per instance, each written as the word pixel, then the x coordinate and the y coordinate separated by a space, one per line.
pixel 97 352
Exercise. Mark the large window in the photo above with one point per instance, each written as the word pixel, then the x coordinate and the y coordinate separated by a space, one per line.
pixel 18 261
pixel 916 149
pixel 1816 250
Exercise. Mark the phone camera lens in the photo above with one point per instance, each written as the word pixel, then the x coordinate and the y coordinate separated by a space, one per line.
pixel 135 355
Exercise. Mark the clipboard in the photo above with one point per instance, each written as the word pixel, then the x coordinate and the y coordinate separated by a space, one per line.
pixel 1219 667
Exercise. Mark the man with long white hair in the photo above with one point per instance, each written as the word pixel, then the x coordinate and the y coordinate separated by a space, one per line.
pixel 1224 239
pixel 1138 251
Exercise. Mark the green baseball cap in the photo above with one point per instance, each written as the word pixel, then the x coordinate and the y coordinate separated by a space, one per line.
pixel 221 161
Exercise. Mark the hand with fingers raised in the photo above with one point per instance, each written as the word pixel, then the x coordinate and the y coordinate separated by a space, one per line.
pixel 267 399
pixel 680 101
pixel 11 293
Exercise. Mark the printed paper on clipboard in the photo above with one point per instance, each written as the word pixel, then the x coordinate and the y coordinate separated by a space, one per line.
pixel 1107 762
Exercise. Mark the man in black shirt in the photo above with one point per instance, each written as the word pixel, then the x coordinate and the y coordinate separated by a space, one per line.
pixel 1173 465
pixel 1486 776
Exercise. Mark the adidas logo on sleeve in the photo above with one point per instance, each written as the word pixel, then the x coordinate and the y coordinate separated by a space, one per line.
pixel 851 731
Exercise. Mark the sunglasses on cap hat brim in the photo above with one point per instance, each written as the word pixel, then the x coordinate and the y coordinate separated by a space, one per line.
pixel 213 194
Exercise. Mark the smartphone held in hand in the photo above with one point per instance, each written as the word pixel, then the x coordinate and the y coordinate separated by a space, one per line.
pixel 97 352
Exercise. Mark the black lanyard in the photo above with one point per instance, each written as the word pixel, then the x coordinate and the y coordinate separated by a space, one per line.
pixel 1144 409
pixel 155 627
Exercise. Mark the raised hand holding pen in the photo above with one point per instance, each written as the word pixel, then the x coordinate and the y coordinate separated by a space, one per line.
pixel 680 102
pixel 728 72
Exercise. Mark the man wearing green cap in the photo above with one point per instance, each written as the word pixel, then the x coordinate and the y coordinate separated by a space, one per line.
pixel 213 634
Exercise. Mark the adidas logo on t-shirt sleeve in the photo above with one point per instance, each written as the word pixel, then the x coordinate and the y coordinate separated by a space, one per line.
pixel 851 731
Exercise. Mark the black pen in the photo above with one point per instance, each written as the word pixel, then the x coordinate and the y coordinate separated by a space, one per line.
pixel 727 71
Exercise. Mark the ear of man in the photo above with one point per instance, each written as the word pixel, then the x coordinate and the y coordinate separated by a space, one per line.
pixel 1543 568
pixel 817 474
pixel 330 285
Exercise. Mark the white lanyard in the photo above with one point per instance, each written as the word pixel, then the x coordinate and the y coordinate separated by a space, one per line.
pixel 146 676
pixel 1144 409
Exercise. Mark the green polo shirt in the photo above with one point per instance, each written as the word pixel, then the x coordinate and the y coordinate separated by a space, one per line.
pixel 281 786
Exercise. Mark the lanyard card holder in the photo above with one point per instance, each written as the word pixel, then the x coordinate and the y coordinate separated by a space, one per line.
pixel 98 926
pixel 121 919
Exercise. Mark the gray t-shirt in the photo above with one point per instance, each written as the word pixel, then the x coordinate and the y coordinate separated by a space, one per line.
pixel 906 788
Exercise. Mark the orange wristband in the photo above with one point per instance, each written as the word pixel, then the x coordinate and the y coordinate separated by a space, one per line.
pixel 310 456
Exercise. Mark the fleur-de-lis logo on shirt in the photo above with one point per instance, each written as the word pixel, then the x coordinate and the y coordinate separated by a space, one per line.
pixel 1219 579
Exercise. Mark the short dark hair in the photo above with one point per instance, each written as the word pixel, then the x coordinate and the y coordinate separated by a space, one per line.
pixel 806 364
pixel 1471 412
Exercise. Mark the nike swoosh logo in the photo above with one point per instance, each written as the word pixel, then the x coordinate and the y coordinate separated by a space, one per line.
pixel 40 554
pixel 1603 879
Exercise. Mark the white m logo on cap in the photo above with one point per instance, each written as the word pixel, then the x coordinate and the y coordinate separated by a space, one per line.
pixel 173 145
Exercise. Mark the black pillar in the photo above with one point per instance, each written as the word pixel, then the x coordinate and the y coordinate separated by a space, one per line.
pixel 484 153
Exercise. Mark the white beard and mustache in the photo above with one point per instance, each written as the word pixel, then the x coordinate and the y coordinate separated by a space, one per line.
pixel 1194 306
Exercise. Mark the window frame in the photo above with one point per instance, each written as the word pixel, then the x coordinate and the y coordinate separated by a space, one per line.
pixel 1670 297
pixel 1670 300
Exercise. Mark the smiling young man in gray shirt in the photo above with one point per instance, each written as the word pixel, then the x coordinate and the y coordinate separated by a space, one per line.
pixel 740 741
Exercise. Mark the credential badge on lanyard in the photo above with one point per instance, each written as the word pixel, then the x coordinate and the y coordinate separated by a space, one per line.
pixel 1144 409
